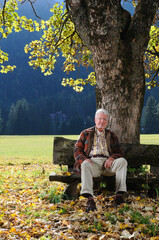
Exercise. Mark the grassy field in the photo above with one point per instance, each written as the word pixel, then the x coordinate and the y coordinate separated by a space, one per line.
pixel 27 149
pixel 149 139
pixel 39 149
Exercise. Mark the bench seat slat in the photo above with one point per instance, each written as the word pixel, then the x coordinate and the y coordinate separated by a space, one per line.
pixel 77 178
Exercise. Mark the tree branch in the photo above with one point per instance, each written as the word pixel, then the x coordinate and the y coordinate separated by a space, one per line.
pixel 61 28
pixel 77 10
pixel 156 73
pixel 156 53
pixel 3 11
pixel 141 23
pixel 62 41
pixel 32 5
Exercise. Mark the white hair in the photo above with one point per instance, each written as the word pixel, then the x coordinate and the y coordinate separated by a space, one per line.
pixel 101 110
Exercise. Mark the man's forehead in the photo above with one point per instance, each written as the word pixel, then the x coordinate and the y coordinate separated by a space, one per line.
pixel 102 115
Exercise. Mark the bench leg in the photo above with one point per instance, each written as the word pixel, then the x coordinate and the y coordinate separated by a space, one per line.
pixel 70 191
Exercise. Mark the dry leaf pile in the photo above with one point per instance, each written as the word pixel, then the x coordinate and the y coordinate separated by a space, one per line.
pixel 30 208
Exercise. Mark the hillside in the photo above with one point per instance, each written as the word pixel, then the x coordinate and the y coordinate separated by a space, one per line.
pixel 43 93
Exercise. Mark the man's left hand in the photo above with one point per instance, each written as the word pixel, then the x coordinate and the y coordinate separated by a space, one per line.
pixel 108 162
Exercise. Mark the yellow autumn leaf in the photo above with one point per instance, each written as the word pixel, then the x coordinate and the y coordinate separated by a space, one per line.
pixel 80 211
pixel 81 198
pixel 64 222
pixel 138 199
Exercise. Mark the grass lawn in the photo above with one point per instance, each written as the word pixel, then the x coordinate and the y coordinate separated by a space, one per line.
pixel 27 149
pixel 149 139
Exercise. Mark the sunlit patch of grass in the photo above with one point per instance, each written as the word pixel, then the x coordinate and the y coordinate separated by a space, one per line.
pixel 149 139
pixel 29 149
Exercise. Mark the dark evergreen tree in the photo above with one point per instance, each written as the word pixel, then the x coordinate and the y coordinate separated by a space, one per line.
pixel 89 122
pixel 76 124
pixel 64 128
pixel 39 117
pixel 1 123
pixel 150 118
pixel 18 121
pixel 157 117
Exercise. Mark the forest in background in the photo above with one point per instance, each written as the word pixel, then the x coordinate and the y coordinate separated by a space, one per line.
pixel 31 103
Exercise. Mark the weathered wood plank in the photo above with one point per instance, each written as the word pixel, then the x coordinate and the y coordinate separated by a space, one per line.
pixel 135 154
pixel 74 177
pixel 63 178
pixel 131 179
pixel 63 151
pixel 133 183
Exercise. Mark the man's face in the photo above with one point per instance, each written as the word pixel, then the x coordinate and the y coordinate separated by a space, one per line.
pixel 101 121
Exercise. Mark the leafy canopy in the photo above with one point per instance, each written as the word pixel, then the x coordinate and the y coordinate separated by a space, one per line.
pixel 59 36
pixel 152 58
pixel 10 21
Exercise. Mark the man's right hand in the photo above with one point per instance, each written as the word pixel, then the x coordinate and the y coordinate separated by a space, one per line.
pixel 108 162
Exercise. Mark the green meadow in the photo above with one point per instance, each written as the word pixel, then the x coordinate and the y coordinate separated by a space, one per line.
pixel 27 149
pixel 149 139
pixel 39 149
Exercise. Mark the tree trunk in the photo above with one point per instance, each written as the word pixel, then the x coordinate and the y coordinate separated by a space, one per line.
pixel 117 43
pixel 123 93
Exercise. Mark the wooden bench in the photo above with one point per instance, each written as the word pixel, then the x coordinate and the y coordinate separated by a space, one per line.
pixel 136 155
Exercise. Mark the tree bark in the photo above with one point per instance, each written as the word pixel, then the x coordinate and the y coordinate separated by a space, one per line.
pixel 117 43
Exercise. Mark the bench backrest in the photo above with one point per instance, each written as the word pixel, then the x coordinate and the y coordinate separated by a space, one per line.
pixel 135 154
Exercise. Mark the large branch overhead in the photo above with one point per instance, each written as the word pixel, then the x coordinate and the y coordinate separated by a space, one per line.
pixel 78 15
pixel 95 19
pixel 87 14
pixel 141 23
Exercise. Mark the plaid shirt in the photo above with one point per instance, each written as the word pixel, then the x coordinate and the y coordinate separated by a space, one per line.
pixel 99 146
pixel 84 145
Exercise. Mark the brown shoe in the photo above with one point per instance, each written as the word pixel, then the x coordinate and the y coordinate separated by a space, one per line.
pixel 118 199
pixel 91 205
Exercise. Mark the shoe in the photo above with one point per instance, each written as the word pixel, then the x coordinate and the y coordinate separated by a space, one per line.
pixel 91 205
pixel 118 199
pixel 124 194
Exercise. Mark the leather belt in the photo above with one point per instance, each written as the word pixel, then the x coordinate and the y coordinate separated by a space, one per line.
pixel 98 156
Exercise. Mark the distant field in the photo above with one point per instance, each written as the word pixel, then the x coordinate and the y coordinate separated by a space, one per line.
pixel 39 149
pixel 149 139
pixel 27 149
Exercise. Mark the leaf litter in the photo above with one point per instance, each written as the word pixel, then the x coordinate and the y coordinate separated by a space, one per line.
pixel 31 207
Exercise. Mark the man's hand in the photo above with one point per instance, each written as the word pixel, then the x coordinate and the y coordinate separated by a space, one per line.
pixel 108 162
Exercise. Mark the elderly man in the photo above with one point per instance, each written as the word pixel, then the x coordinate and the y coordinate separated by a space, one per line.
pixel 97 152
